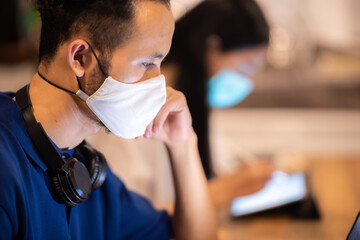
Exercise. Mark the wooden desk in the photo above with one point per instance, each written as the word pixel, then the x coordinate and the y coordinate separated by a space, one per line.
pixel 335 184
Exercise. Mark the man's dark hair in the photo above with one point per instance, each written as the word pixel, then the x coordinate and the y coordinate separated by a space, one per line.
pixel 106 22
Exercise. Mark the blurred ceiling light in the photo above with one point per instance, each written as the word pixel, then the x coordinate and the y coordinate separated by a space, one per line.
pixel 178 9
pixel 181 7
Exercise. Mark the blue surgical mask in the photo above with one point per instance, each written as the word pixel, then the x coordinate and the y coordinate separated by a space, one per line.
pixel 228 88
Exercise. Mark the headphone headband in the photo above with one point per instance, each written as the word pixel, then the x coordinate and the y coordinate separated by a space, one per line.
pixel 47 150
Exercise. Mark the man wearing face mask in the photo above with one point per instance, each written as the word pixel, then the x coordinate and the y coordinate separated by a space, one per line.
pixel 99 66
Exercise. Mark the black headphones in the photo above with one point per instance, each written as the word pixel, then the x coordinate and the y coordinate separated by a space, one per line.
pixel 72 180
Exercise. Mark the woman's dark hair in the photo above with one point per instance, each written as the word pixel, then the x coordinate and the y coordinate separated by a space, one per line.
pixel 239 24
pixel 106 22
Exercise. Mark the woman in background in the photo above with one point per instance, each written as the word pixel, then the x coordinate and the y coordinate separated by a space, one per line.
pixel 216 47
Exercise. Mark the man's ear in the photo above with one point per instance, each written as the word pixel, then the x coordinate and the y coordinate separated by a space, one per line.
pixel 79 56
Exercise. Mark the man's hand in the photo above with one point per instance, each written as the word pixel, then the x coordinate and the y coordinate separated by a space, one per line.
pixel 173 122
pixel 194 216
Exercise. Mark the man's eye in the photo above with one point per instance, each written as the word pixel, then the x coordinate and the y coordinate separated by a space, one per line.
pixel 148 65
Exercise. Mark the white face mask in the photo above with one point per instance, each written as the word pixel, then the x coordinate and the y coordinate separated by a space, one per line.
pixel 126 109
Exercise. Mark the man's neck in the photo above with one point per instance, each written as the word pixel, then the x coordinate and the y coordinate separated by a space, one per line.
pixel 61 117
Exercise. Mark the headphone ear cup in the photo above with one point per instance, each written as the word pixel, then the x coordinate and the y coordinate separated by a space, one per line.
pixel 98 168
pixel 72 183
pixel 96 165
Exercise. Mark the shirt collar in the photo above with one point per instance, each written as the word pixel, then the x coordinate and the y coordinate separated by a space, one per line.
pixel 67 153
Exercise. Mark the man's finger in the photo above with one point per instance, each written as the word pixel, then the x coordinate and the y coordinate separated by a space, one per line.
pixel 161 118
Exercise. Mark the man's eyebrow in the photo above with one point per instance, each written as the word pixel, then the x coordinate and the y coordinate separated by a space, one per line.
pixel 154 55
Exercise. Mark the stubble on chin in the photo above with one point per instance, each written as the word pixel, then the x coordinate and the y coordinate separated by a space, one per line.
pixel 89 114
pixel 86 111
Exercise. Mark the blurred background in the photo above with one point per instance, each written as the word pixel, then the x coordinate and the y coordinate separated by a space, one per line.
pixel 307 99
pixel 305 103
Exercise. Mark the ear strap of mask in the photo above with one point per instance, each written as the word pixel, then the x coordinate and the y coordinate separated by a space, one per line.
pixel 98 61
pixel 57 86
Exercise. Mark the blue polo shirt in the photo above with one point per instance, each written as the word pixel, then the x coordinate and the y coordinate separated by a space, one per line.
pixel 28 210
